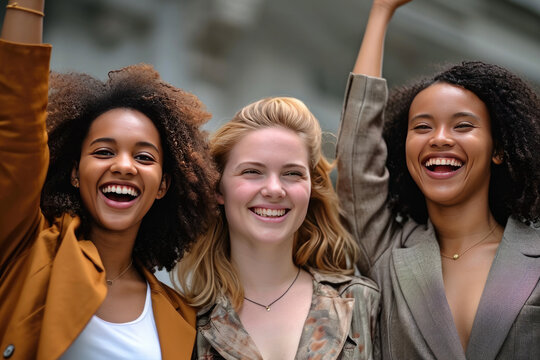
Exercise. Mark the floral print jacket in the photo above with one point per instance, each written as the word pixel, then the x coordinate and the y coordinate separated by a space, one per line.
pixel 341 324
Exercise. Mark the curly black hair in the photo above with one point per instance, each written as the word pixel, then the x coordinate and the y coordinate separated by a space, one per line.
pixel 176 220
pixel 514 111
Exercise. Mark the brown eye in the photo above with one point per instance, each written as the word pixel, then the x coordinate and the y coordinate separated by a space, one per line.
pixel 145 158
pixel 103 153
pixel 464 126
pixel 421 127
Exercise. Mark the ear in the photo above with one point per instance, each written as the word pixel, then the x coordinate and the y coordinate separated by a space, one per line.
pixel 163 186
pixel 75 176
pixel 497 157
pixel 219 197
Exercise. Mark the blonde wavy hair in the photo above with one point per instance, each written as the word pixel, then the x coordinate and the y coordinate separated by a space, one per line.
pixel 321 242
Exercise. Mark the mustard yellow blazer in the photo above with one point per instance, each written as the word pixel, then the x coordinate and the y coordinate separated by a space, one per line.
pixel 51 283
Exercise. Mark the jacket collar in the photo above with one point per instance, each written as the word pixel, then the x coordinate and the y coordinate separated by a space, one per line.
pixel 419 273
pixel 78 270
pixel 328 323
pixel 512 278
pixel 175 320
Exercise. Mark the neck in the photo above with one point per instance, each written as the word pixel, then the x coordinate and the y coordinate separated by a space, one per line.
pixel 263 269
pixel 460 226
pixel 115 249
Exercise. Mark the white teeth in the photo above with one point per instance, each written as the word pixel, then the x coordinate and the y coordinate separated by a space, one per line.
pixel 443 161
pixel 121 190
pixel 269 212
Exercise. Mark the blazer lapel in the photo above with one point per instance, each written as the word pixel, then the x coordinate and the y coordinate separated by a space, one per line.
pixel 419 273
pixel 176 335
pixel 327 325
pixel 76 290
pixel 512 278
pixel 227 335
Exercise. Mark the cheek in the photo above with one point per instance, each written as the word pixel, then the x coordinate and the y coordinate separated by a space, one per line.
pixel 236 191
pixel 411 156
pixel 301 194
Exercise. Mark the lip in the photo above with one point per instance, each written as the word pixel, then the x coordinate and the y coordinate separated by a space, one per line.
pixel 119 204
pixel 275 219
pixel 120 183
pixel 442 175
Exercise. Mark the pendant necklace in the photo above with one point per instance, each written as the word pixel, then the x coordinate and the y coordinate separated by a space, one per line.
pixel 110 282
pixel 267 307
pixel 457 256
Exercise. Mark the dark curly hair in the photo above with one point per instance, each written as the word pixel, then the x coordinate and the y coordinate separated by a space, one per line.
pixel 514 111
pixel 176 220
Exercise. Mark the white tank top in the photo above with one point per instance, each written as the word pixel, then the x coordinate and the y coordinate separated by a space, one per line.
pixel 103 340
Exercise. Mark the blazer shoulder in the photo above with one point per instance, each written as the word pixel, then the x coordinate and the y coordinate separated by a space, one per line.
pixel 359 285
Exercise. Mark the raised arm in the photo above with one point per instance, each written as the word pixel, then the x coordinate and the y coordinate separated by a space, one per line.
pixel 370 57
pixel 23 21
pixel 362 176
pixel 24 72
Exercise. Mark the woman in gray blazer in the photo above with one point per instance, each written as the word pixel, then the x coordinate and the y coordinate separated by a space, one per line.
pixel 443 208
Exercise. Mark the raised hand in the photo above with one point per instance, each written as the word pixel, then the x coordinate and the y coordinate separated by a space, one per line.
pixel 370 56
pixel 390 4
pixel 23 21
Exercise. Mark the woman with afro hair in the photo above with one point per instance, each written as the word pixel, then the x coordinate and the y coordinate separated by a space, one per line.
pixel 123 186
pixel 441 190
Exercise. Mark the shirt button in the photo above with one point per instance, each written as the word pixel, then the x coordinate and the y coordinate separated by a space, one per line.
pixel 10 349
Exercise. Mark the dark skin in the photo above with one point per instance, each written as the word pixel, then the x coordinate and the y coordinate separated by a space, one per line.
pixel 126 162
pixel 122 147
pixel 457 202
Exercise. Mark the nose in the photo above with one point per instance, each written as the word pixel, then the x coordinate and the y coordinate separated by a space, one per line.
pixel 441 138
pixel 124 164
pixel 273 187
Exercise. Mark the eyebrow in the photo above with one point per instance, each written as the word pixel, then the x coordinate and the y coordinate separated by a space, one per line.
pixel 113 141
pixel 259 164
pixel 454 116
pixel 465 114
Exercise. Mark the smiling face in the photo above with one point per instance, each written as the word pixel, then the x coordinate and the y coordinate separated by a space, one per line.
pixel 120 169
pixel 449 147
pixel 266 186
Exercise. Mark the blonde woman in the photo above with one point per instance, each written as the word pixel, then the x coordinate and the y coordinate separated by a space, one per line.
pixel 273 276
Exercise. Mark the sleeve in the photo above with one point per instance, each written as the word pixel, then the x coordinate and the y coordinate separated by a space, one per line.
pixel 364 324
pixel 362 183
pixel 24 156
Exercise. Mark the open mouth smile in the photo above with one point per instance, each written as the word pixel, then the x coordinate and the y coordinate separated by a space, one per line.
pixel 443 165
pixel 270 213
pixel 120 193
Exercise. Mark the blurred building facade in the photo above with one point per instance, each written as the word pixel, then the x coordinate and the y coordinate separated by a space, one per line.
pixel 232 52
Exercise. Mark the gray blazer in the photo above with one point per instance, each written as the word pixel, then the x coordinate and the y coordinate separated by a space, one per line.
pixel 404 259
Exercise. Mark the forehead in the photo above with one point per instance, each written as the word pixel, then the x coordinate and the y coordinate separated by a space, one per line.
pixel 124 125
pixel 447 100
pixel 273 145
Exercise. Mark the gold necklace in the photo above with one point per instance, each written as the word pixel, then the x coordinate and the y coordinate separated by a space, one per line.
pixel 282 295
pixel 456 256
pixel 110 282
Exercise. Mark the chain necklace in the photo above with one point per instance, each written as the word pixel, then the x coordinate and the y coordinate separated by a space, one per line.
pixel 110 282
pixel 267 307
pixel 457 256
